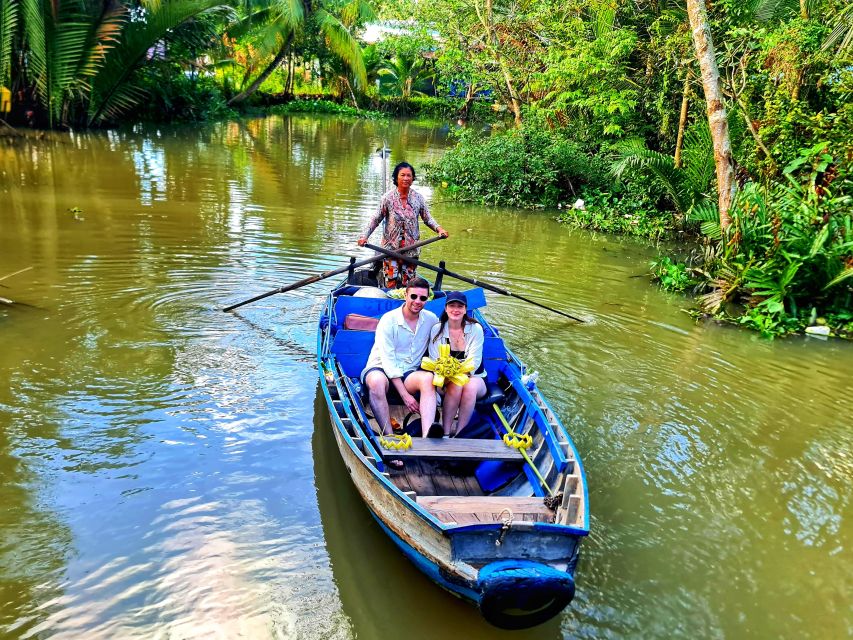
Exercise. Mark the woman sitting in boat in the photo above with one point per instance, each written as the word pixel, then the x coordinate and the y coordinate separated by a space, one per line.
pixel 400 209
pixel 465 337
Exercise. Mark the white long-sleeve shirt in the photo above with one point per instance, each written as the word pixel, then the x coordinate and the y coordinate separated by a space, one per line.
pixel 396 348
pixel 473 343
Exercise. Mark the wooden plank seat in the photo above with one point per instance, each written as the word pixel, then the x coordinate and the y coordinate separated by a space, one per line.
pixel 475 509
pixel 456 449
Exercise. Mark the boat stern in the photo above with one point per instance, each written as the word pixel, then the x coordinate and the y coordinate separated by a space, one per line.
pixel 517 594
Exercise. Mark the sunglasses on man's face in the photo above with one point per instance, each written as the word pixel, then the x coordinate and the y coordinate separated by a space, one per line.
pixel 415 296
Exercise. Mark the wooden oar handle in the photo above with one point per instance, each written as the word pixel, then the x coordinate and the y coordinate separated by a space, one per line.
pixel 326 274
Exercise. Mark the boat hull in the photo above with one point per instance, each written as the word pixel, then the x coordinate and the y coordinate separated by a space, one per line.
pixel 510 593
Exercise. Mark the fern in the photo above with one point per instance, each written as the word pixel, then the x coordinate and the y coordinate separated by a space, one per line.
pixel 633 155
pixel 698 155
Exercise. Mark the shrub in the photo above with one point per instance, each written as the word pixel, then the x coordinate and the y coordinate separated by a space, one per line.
pixel 528 167
pixel 174 96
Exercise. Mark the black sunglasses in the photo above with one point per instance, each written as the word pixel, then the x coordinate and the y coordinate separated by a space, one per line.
pixel 415 296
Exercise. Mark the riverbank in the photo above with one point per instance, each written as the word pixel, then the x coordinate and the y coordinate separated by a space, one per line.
pixel 783 266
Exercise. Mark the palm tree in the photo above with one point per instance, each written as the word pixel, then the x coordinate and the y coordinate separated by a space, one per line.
pixel 74 60
pixel 283 20
pixel 407 71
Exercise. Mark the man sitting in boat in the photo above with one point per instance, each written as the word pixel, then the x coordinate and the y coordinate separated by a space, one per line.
pixel 400 343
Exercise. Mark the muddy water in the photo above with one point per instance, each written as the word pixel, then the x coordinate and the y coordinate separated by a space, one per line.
pixel 167 470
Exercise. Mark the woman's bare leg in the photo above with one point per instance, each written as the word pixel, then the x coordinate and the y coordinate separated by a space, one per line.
pixel 473 389
pixel 450 405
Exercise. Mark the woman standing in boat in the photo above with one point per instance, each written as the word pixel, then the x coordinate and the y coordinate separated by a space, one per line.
pixel 465 337
pixel 400 208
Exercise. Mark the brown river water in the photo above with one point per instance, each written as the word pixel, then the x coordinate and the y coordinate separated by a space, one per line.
pixel 168 471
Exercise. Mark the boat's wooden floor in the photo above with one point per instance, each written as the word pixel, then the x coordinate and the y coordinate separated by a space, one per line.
pixel 428 478
pixel 440 474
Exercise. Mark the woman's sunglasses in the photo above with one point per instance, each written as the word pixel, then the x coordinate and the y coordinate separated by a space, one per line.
pixel 415 296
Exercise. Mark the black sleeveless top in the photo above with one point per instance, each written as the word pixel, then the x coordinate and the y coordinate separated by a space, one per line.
pixel 460 355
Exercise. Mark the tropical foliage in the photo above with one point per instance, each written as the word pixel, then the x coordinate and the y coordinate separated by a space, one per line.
pixel 74 62
pixel 730 124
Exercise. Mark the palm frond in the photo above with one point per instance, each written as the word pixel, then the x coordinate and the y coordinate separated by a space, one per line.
pixel 247 23
pixel 770 10
pixel 104 37
pixel 56 38
pixel 137 39
pixel 342 43
pixel 846 273
pixel 707 213
pixel 357 12
pixel 698 157
pixel 603 19
pixel 124 98
pixel 633 155
pixel 842 33
pixel 290 14
pixel 9 12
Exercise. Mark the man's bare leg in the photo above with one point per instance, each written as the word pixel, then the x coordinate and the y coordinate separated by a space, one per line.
pixel 422 381
pixel 377 386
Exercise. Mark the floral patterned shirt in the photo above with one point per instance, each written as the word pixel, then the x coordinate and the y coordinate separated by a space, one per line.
pixel 401 221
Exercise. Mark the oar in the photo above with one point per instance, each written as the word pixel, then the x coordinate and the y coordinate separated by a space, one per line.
pixel 474 281
pixel 323 276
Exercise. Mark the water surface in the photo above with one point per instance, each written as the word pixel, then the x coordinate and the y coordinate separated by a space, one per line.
pixel 167 470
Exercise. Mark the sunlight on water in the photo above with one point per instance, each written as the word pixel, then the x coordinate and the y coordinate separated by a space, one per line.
pixel 169 471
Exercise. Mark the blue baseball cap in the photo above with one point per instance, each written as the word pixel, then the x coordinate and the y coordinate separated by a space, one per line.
pixel 456 296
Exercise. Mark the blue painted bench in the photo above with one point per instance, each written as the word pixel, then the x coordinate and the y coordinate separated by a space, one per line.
pixel 377 307
pixel 352 348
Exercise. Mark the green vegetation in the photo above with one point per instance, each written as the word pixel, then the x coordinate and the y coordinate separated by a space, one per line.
pixel 326 106
pixel 730 127
pixel 740 140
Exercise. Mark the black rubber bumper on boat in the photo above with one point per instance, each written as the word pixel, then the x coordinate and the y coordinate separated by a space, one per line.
pixel 516 594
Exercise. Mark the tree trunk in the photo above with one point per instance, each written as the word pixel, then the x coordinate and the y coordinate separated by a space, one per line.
pixel 291 76
pixel 351 93
pixel 714 106
pixel 513 98
pixel 682 120
pixel 279 57
pixel 485 18
pixel 469 100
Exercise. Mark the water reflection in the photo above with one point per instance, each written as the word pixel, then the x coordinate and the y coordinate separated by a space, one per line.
pixel 157 468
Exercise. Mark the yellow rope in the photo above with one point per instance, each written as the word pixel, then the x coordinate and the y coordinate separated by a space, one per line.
pixel 447 368
pixel 400 443
pixel 521 442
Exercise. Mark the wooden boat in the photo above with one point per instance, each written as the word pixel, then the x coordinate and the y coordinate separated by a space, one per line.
pixel 494 524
